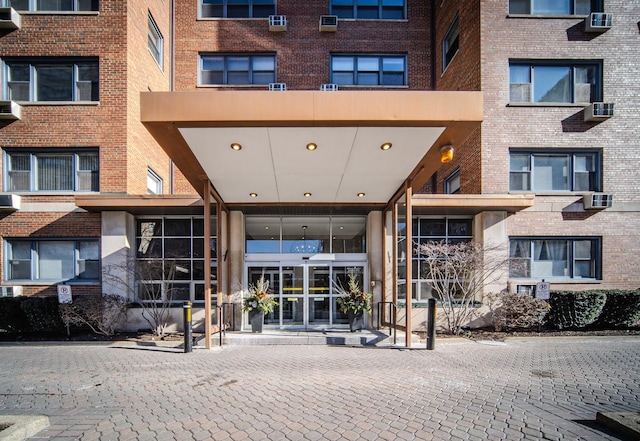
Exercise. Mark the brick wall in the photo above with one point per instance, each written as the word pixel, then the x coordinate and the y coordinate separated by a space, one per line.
pixel 303 52
pixel 505 38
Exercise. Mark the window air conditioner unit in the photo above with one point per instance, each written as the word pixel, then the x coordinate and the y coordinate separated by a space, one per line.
pixel 9 18
pixel 328 23
pixel 277 23
pixel 9 110
pixel 597 201
pixel 277 86
pixel 598 22
pixel 10 202
pixel 10 291
pixel 328 87
pixel 598 111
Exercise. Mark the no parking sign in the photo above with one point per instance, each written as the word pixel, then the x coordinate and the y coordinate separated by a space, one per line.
pixel 543 290
pixel 64 294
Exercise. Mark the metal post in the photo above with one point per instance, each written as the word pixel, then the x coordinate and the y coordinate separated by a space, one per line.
pixel 431 324
pixel 188 341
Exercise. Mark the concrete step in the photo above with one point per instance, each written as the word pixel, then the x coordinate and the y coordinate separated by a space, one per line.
pixel 338 337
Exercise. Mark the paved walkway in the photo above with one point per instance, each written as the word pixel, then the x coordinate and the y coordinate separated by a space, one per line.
pixel 524 389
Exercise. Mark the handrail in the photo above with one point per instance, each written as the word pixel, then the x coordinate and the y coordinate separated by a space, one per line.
pixel 393 315
pixel 222 312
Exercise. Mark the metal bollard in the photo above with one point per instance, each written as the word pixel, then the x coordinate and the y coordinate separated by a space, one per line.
pixel 431 324
pixel 188 341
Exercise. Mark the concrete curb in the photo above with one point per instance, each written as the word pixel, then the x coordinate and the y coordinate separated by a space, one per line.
pixel 625 423
pixel 21 427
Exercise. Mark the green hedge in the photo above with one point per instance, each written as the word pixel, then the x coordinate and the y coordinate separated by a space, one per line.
pixel 30 314
pixel 594 309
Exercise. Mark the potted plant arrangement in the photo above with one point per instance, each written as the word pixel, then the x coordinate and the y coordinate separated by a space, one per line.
pixel 258 303
pixel 353 301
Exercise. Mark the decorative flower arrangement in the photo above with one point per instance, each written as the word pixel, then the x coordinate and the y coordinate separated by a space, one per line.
pixel 352 298
pixel 259 297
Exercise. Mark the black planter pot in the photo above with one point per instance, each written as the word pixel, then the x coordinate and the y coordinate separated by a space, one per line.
pixel 256 318
pixel 356 320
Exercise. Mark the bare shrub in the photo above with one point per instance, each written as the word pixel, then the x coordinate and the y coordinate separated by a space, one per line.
pixel 512 311
pixel 141 281
pixel 458 273
pixel 103 314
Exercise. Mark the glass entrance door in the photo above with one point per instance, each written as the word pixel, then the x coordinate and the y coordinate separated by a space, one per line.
pixel 305 292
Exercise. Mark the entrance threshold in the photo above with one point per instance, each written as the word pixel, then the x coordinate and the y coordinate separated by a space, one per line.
pixel 329 336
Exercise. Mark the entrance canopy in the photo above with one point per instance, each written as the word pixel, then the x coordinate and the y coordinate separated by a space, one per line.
pixel 271 132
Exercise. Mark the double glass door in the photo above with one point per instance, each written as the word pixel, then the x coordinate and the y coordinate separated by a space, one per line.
pixel 305 292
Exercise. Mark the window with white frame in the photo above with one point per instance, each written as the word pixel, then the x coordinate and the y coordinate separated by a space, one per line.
pixel 237 69
pixel 154 182
pixel 450 43
pixel 369 9
pixel 52 5
pixel 452 183
pixel 555 258
pixel 50 79
pixel 52 260
pixel 170 258
pixel 369 70
pixel 51 170
pixel 554 171
pixel 554 7
pixel 555 82
pixel 237 8
pixel 155 41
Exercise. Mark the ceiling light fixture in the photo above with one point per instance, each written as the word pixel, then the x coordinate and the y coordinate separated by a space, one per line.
pixel 312 146
pixel 446 153
pixel 235 146
pixel 386 146
pixel 253 195
pixel 360 195
pixel 307 195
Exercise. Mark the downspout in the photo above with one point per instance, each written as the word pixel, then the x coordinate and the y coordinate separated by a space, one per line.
pixel 172 85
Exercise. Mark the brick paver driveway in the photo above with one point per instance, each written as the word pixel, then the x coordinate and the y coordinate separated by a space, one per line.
pixel 524 389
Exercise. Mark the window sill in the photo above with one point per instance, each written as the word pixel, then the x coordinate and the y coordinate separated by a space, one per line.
pixel 58 103
pixel 580 105
pixel 557 193
pixel 552 16
pixel 59 13
pixel 555 280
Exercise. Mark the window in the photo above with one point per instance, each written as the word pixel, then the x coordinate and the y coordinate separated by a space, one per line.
pixel 450 43
pixel 51 80
pixel 369 70
pixel 240 70
pixel 452 183
pixel 237 8
pixel 554 7
pixel 52 260
pixel 52 5
pixel 155 41
pixel 548 258
pixel 369 9
pixel 170 258
pixel 51 170
pixel 554 171
pixel 555 82
pixel 154 182
pixel 449 230
pixel 305 234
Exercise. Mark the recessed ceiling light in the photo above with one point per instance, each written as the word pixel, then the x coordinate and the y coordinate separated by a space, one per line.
pixel 235 146
pixel 267 227
pixel 360 195
pixel 386 146
pixel 307 195
pixel 253 195
pixel 312 146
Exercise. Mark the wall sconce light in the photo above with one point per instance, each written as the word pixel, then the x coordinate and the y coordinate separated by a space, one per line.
pixel 446 153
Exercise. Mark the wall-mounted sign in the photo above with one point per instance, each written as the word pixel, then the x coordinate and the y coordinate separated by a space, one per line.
pixel 64 294
pixel 543 290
